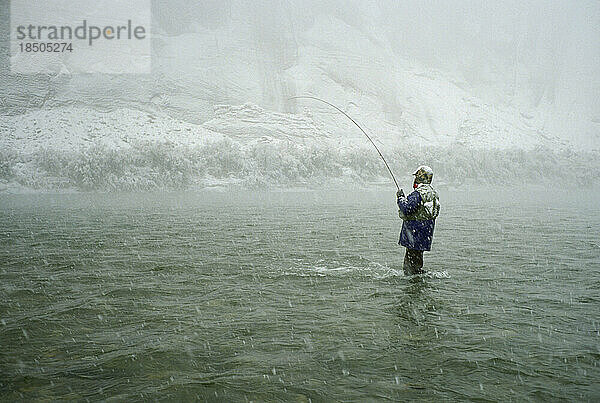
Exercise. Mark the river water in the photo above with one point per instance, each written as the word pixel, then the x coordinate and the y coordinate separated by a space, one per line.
pixel 297 296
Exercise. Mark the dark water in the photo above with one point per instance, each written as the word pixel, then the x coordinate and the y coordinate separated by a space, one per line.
pixel 297 297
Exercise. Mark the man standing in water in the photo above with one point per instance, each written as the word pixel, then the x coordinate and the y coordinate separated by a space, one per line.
pixel 418 211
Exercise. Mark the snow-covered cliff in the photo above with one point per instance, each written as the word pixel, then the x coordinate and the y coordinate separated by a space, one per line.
pixel 438 85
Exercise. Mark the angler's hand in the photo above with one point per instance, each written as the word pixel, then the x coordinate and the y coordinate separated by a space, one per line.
pixel 400 193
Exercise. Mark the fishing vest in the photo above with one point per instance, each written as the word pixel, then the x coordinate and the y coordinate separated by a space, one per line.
pixel 429 208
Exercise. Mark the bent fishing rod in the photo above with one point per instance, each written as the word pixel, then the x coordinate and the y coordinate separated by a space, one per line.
pixel 357 125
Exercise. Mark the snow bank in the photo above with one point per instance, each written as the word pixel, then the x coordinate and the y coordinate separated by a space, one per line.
pixel 247 146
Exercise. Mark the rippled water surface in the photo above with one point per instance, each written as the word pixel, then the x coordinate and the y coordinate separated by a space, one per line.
pixel 297 297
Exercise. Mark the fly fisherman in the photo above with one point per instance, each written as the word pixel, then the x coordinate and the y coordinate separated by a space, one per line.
pixel 418 211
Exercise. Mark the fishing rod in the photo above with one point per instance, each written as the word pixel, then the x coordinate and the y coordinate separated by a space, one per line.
pixel 357 125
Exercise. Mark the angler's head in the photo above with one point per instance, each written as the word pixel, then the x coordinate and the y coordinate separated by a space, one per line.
pixel 423 174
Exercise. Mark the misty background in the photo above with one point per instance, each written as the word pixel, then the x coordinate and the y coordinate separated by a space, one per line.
pixel 484 92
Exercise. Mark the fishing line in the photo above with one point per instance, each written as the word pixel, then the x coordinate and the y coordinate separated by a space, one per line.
pixel 357 125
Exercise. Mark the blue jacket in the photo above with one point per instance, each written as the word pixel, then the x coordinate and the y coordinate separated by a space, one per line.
pixel 419 211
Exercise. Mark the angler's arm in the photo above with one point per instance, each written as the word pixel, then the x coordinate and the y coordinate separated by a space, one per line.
pixel 408 205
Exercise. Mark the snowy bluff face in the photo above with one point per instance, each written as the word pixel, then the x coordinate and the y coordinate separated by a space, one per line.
pixel 481 92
